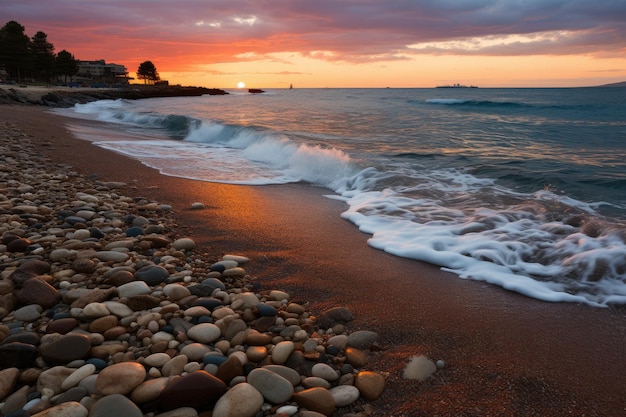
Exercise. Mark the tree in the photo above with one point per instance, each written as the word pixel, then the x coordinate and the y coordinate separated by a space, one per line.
pixel 147 72
pixel 14 50
pixel 42 56
pixel 66 65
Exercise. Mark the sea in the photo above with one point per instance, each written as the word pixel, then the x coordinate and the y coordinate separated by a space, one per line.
pixel 520 188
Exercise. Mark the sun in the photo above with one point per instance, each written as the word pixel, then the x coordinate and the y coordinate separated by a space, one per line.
pixel 241 84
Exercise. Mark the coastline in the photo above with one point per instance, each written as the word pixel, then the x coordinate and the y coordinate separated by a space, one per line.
pixel 68 97
pixel 506 354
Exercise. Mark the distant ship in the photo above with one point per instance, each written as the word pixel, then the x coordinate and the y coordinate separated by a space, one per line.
pixel 456 86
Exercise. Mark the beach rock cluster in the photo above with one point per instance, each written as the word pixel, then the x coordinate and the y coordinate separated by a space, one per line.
pixel 105 312
pixel 64 97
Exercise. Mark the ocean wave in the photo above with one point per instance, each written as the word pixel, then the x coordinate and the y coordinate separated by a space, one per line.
pixel 542 245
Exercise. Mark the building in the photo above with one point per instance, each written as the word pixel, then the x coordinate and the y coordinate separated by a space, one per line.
pixel 101 71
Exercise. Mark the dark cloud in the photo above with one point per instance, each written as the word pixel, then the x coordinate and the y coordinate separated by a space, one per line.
pixel 353 30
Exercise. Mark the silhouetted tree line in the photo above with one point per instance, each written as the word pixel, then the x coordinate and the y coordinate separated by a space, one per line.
pixel 24 58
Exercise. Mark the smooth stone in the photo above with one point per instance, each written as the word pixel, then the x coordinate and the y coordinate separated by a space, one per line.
pixel 114 405
pixel 209 303
pixel 95 310
pixel 38 291
pixel 112 256
pixel 66 349
pixel 84 266
pixel 204 333
pixel 62 326
pixel 8 379
pixel 30 338
pixel 234 272
pixel 255 338
pixel 340 341
pixel 72 394
pixel 28 313
pixel 77 376
pixel 175 366
pixel 271 385
pixel 223 265
pixel 237 258
pixel 279 295
pixel 344 395
pixel 120 378
pixel 180 412
pixel 230 369
pixel 134 231
pixel 119 278
pixel 338 315
pixel 287 410
pixel 132 289
pixel 362 338
pixel 157 359
pixel 242 400
pixel 316 399
pixel 289 374
pixel 244 300
pixel 51 379
pixel 324 371
pixel 197 311
pixel 356 357
pixel 176 292
pixel 142 302
pixel 256 353
pixel 315 381
pixel 152 274
pixel 419 368
pixel 149 390
pixel 103 324
pixel 281 351
pixel 69 409
pixel 265 310
pixel 197 389
pixel 118 309
pixel 195 351
pixel 370 384
pixel 184 243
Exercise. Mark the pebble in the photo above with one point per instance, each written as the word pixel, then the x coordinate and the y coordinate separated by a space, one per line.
pixel 111 313
pixel 120 378
pixel 281 352
pixel 197 389
pixel 65 349
pixel 243 400
pixel 68 409
pixel 344 395
pixel 114 405
pixel 204 333
pixel 271 385
pixel 316 399
pixel 370 384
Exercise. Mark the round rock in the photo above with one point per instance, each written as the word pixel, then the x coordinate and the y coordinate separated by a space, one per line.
pixel 120 378
pixel 242 400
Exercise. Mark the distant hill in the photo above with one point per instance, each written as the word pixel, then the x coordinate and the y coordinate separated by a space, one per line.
pixel 622 84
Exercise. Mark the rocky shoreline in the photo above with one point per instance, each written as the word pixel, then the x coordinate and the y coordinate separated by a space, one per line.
pixel 106 311
pixel 67 97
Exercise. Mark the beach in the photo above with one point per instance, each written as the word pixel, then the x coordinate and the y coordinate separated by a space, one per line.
pixel 504 354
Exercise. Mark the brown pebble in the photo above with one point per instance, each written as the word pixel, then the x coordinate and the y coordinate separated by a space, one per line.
pixel 62 326
pixel 103 324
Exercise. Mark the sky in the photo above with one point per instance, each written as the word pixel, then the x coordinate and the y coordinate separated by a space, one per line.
pixel 342 43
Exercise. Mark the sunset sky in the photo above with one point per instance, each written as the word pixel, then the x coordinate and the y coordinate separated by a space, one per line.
pixel 342 43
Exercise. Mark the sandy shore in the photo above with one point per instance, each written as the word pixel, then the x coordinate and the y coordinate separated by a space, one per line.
pixel 505 354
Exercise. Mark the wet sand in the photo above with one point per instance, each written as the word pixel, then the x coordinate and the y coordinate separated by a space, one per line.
pixel 505 354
